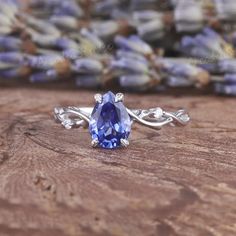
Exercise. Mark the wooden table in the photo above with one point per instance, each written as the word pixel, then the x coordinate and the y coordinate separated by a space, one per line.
pixel 177 181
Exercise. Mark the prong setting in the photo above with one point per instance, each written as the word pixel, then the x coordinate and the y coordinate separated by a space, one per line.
pixel 94 143
pixel 124 143
pixel 98 98
pixel 119 97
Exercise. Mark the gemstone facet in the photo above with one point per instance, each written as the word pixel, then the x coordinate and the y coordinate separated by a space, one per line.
pixel 110 122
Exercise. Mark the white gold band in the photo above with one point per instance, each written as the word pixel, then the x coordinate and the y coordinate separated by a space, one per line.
pixel 154 118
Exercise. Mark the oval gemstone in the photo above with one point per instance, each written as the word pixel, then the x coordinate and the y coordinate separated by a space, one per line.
pixel 110 122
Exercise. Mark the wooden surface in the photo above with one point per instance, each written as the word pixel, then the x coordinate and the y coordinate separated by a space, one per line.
pixel 177 181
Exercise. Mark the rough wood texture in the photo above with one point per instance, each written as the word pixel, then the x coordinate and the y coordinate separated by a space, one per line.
pixel 177 181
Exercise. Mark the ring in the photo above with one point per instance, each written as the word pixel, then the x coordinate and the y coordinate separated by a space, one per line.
pixel 110 121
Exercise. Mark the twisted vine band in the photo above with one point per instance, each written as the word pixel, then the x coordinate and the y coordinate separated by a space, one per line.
pixel 154 118
pixel 110 121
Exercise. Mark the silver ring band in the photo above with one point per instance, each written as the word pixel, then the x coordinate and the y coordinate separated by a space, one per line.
pixel 153 118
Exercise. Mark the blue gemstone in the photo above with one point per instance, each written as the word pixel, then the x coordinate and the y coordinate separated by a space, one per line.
pixel 110 122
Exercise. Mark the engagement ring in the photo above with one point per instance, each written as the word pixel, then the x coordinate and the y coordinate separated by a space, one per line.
pixel 110 121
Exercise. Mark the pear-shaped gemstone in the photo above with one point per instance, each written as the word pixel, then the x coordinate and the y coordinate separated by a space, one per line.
pixel 110 122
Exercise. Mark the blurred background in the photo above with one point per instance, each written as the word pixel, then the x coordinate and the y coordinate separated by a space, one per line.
pixel 128 45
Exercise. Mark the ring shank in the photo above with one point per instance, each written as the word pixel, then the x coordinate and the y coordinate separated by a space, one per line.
pixel 153 118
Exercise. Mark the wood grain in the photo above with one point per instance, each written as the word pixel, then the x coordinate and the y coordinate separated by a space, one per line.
pixel 177 181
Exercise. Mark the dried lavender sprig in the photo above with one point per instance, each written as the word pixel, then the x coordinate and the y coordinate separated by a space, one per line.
pixel 105 29
pixel 134 50
pixel 230 78
pixel 178 81
pixel 46 76
pixel 227 66
pixel 226 85
pixel 179 73
pixel 67 23
pixel 44 62
pixel 149 24
pixel 10 43
pixel 88 81
pixel 17 58
pixel 92 37
pixel 41 26
pixel 61 8
pixel 105 7
pixel 131 55
pixel 87 66
pixel 208 46
pixel 12 72
pixel 134 81
pixel 9 9
pixel 133 43
pixel 189 16
pixel 70 8
pixel 140 82
pixel 225 89
pixel 127 65
pixel 226 9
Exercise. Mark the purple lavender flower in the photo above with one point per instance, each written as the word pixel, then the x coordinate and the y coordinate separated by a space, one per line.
pixel 70 8
pixel 226 89
pixel 45 62
pixel 88 81
pixel 212 68
pixel 10 73
pixel 92 37
pixel 105 7
pixel 208 46
pixel 140 81
pixel 13 57
pixel 65 22
pixel 10 43
pixel 41 26
pixel 188 16
pixel 133 43
pixel 230 79
pixel 46 76
pixel 71 54
pixel 227 66
pixel 146 16
pixel 191 47
pixel 65 43
pixel 87 66
pixel 226 9
pixel 176 68
pixel 105 29
pixel 180 72
pixel 131 55
pixel 134 81
pixel 151 30
pixel 178 81
pixel 127 65
pixel 149 24
pixel 48 4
